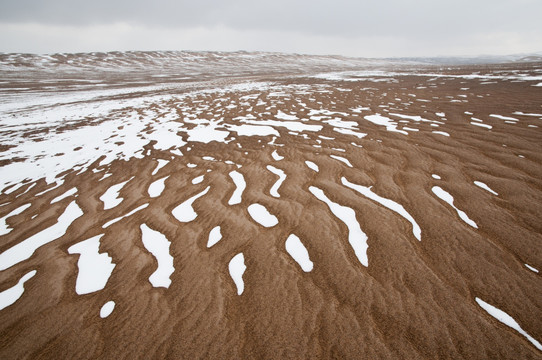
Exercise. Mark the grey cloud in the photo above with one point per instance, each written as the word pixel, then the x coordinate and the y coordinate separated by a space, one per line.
pixel 340 17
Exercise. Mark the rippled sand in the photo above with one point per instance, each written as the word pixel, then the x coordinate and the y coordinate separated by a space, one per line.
pixel 411 196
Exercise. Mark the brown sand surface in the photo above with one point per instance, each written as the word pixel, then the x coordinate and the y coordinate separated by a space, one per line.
pixel 415 299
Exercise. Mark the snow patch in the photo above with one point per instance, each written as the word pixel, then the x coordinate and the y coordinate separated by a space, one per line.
pixel 390 204
pixel 185 212
pixel 356 237
pixel 507 320
pixel 26 248
pixel 237 268
pixel 262 216
pixel 445 196
pixel 94 268
pixel 240 186
pixel 214 236
pixel 282 176
pixel 158 245
pixel 299 252
pixel 10 296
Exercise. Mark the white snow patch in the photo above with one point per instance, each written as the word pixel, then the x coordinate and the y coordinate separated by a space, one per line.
pixel 340 158
pixel 214 236
pixel 440 133
pixel 276 156
pixel 161 164
pixel 481 125
pixel 237 268
pixel 506 320
pixel 185 212
pixel 4 229
pixel 253 130
pixel 485 187
pixel 110 197
pixel 262 216
pixel 94 268
pixel 526 114
pixel 282 176
pixel 107 309
pixel 445 196
pixel 111 222
pixel 390 204
pixel 11 295
pixel 384 121
pixel 26 248
pixel 435 176
pixel 503 117
pixel 356 237
pixel 299 252
pixel 240 186
pixel 198 180
pixel 350 132
pixel 158 245
pixel 68 193
pixel 531 268
pixel 157 187
pixel 312 165
pixel 284 116
pixel 207 133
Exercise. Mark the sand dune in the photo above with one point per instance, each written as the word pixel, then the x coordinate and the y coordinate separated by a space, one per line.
pixel 279 207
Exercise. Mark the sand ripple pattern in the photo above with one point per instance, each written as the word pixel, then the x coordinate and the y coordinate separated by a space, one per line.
pixel 366 252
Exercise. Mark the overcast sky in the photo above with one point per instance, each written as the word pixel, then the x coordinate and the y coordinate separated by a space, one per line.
pixel 367 28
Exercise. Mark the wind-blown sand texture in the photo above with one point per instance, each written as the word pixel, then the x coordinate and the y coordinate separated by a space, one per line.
pixel 411 195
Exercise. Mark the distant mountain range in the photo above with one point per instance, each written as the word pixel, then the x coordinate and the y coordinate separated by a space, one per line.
pixel 482 59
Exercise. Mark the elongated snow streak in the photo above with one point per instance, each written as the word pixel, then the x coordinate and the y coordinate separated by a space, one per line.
pixel 503 117
pixel 441 133
pixel 4 229
pixel 237 268
pixel 340 158
pixel 107 309
pixel 11 295
pixel 240 186
pixel 445 196
pixel 158 245
pixel 299 252
pixel 531 268
pixel 276 156
pixel 111 196
pixel 111 222
pixel 485 187
pixel 157 187
pixel 262 216
pixel 507 320
pixel 390 204
pixel 26 248
pixel 214 236
pixel 312 166
pixel 65 195
pixel 481 125
pixel 282 176
pixel 161 164
pixel 356 237
pixel 185 212
pixel 94 268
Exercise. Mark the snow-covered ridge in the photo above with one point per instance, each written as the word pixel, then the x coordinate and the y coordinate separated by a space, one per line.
pixel 185 62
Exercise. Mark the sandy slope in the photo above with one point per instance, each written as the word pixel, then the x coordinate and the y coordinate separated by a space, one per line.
pixel 414 298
